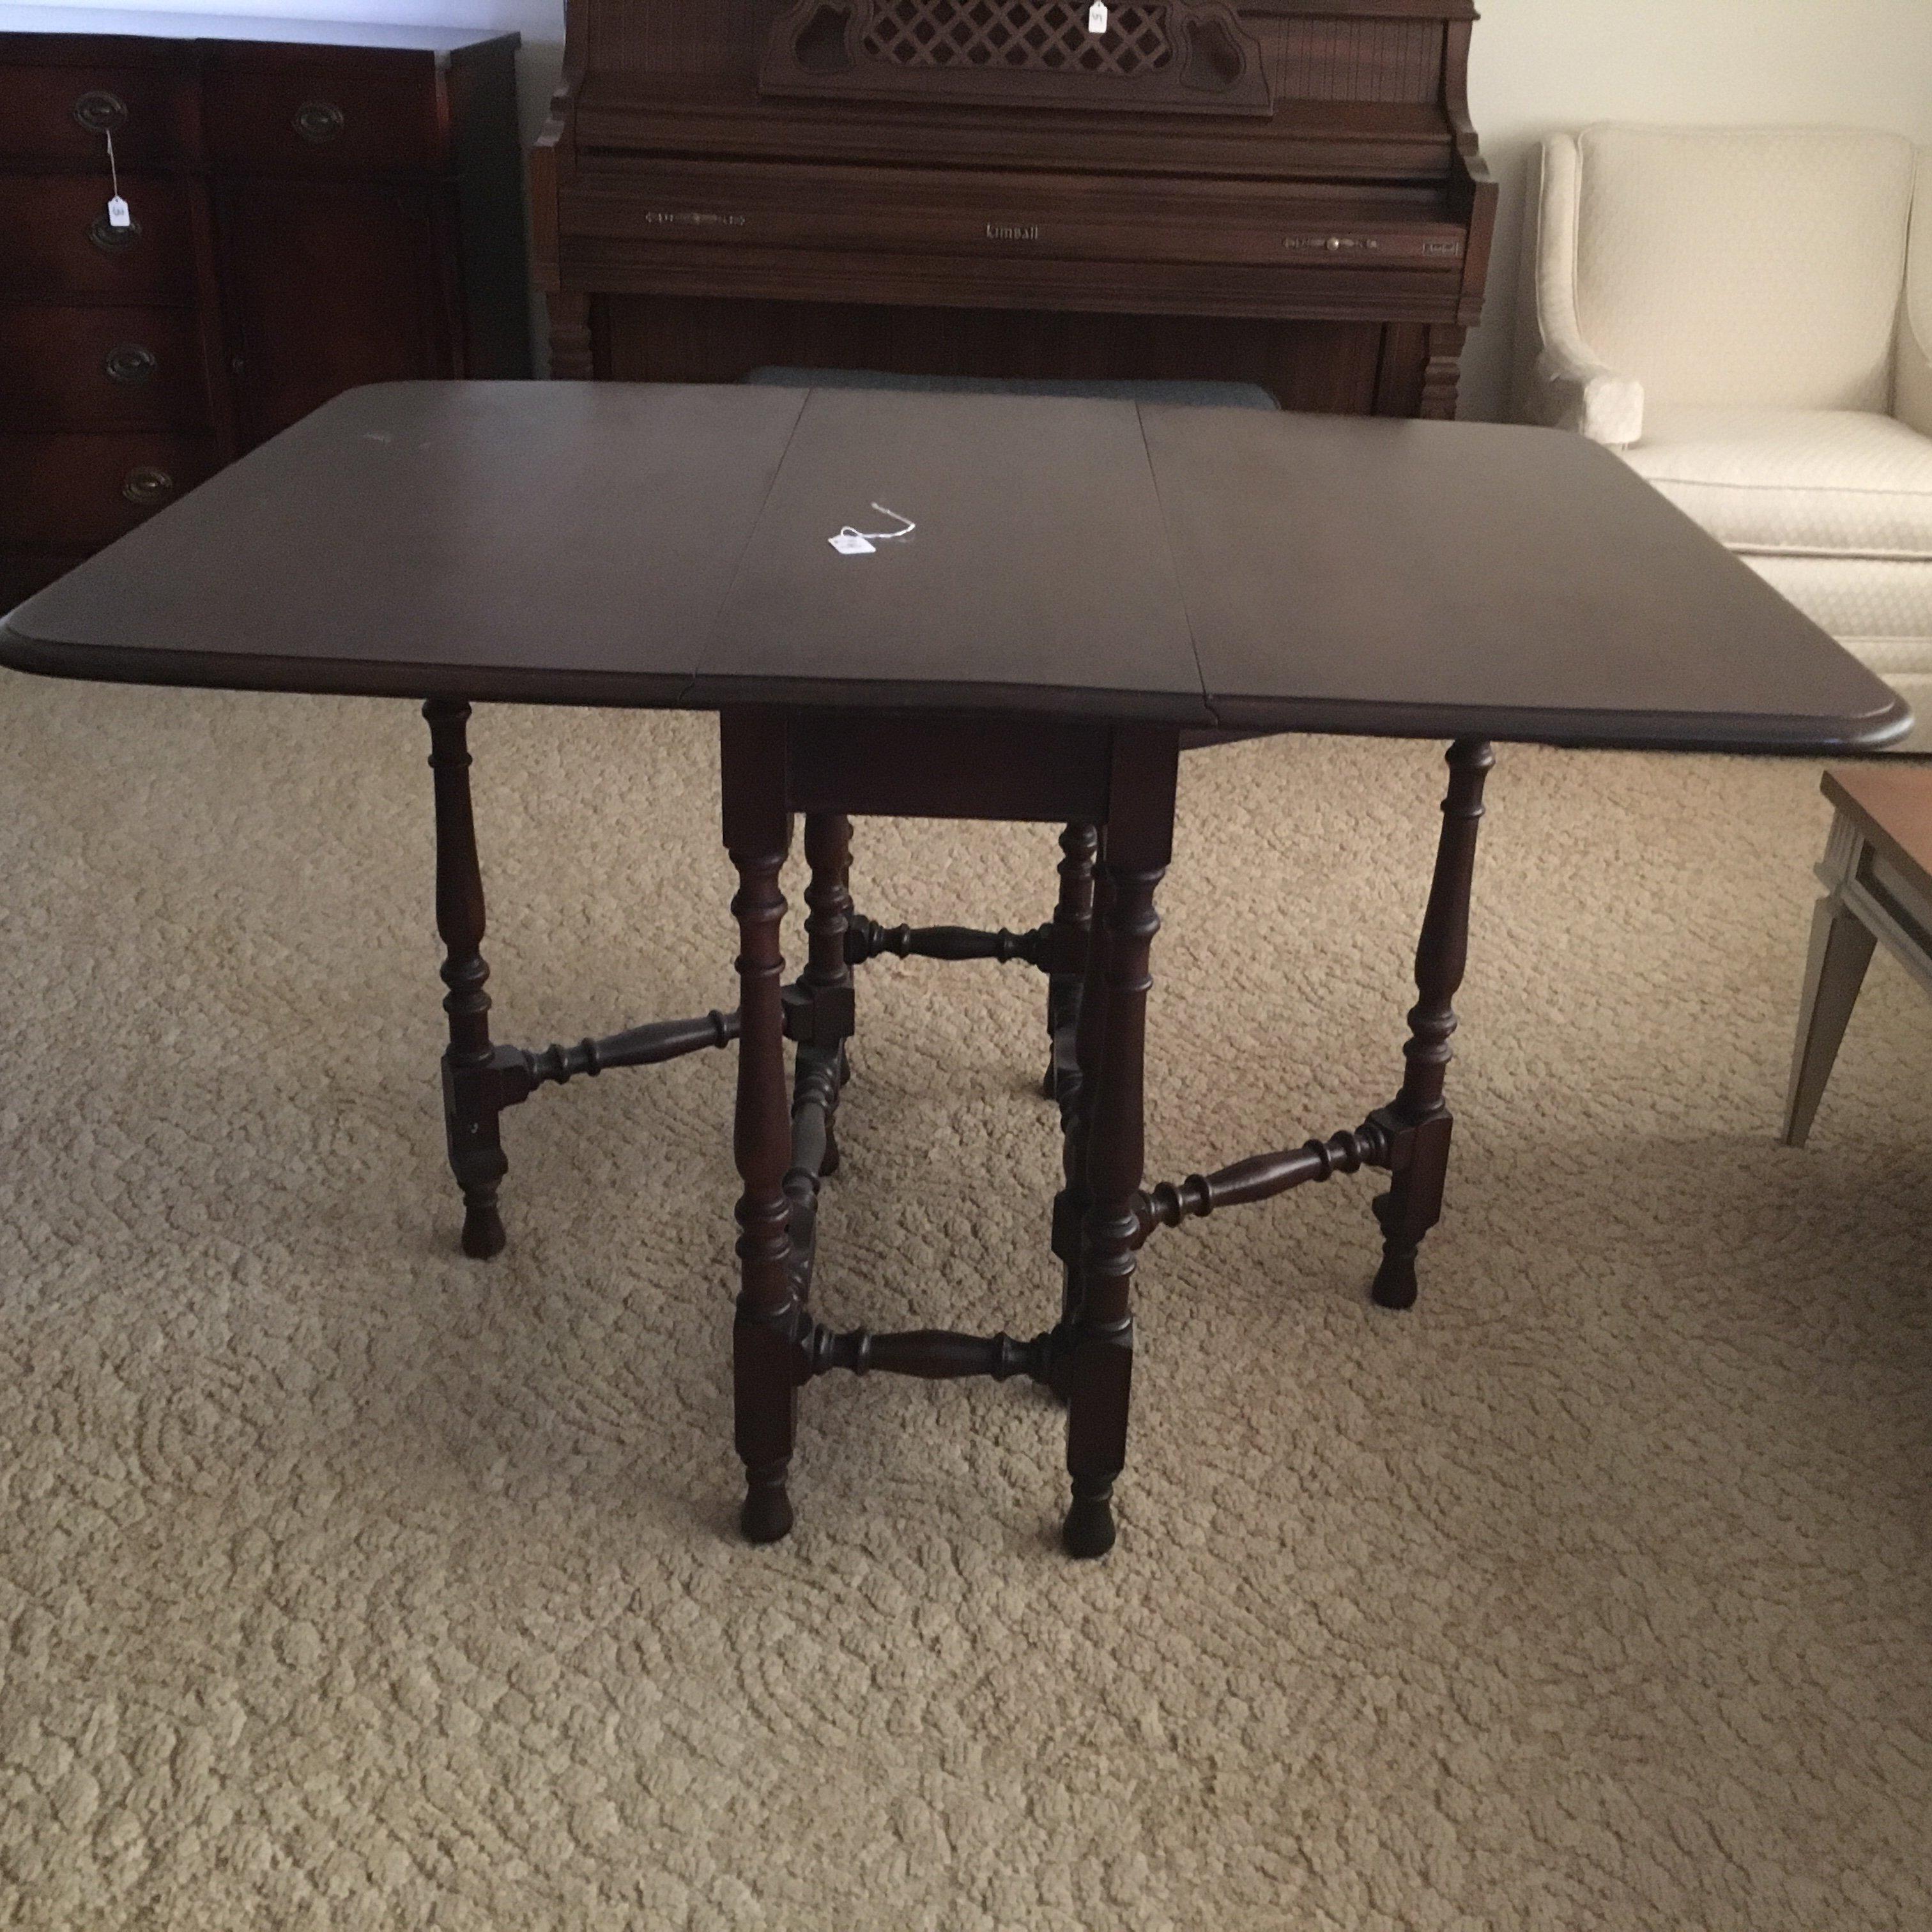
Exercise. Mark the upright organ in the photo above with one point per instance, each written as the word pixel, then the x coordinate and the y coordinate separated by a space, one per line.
pixel 1284 192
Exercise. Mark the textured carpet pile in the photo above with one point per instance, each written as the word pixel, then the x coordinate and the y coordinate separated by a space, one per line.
pixel 344 1582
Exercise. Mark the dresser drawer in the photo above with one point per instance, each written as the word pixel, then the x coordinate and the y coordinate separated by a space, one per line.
pixel 59 241
pixel 76 492
pixel 99 368
pixel 273 111
pixel 59 114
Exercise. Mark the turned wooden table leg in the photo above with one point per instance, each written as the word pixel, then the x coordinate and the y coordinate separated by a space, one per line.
pixel 1418 1121
pixel 1072 919
pixel 757 834
pixel 1099 1360
pixel 827 980
pixel 470 1105
pixel 1078 1087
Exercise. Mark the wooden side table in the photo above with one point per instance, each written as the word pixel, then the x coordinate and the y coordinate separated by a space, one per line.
pixel 1877 874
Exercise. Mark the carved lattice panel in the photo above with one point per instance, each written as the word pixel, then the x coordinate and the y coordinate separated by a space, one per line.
pixel 1035 36
pixel 1194 56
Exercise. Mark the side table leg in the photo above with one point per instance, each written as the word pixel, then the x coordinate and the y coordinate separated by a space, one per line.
pixel 1099 1368
pixel 1841 949
pixel 470 1104
pixel 757 833
pixel 1072 920
pixel 1419 1122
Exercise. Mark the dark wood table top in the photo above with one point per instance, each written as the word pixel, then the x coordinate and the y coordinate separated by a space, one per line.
pixel 613 543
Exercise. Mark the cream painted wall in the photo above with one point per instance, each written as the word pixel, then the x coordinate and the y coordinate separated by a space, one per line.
pixel 1538 64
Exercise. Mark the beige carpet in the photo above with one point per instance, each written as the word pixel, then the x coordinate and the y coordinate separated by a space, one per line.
pixel 347 1583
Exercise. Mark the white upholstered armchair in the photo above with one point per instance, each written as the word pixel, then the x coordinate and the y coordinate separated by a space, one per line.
pixel 1746 315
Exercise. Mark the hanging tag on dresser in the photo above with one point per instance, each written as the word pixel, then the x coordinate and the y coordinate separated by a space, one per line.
pixel 1096 17
pixel 118 216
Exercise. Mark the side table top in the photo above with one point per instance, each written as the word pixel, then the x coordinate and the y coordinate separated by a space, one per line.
pixel 1891 804
pixel 637 544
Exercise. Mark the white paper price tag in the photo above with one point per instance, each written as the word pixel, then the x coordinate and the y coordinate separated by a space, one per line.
pixel 118 216
pixel 851 541
pixel 1096 17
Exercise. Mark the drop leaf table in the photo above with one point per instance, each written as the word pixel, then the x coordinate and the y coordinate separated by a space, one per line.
pixel 963 606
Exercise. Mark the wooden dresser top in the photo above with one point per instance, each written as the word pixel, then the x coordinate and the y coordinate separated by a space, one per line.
pixel 133 23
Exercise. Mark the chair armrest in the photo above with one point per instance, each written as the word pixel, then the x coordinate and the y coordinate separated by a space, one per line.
pixel 1568 386
pixel 1911 396
pixel 1914 405
pixel 1586 397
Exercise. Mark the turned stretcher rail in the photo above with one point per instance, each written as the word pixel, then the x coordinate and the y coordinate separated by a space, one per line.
pixel 867 939
pixel 1261 1177
pixel 935 1355
pixel 635 1046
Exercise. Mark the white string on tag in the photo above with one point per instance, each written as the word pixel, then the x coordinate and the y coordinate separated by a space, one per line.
pixel 850 542
pixel 118 216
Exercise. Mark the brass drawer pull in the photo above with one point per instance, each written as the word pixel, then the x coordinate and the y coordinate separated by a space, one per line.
pixel 110 240
pixel 146 486
pixel 317 121
pixel 130 364
pixel 100 113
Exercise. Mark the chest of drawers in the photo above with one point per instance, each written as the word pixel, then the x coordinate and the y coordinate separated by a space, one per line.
pixel 303 215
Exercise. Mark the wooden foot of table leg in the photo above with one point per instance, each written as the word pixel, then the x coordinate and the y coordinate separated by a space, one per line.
pixel 767 1515
pixel 1406 1213
pixel 1419 1121
pixel 471 1108
pixel 1098 1372
pixel 757 833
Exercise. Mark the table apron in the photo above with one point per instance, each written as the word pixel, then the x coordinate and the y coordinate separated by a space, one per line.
pixel 891 764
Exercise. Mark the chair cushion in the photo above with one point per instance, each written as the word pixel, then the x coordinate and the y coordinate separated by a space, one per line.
pixel 1795 482
pixel 1757 267
pixel 1880 611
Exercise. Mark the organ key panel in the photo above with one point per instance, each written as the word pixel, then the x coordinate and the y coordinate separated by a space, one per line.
pixel 1287 192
